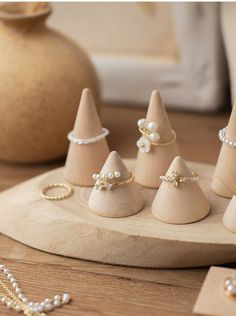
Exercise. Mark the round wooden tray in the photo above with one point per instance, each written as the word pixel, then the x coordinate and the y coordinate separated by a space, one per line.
pixel 70 229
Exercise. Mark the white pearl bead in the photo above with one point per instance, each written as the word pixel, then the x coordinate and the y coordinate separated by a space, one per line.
pixel 12 280
pixel 40 308
pixel 18 290
pixel 2 267
pixel 94 176
pixel 103 176
pixel 17 308
pixel 154 137
pixel 47 301
pixel 9 304
pixel 65 298
pixel 25 300
pixel 9 276
pixel 6 271
pixel 48 307
pixel 31 304
pixel 110 175
pixel 231 289
pixel 117 174
pixel 152 126
pixel 142 123
pixel 3 299
pixel 56 303
pixel 14 285
pixel 57 297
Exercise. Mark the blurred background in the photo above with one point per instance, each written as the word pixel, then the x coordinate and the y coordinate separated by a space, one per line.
pixel 122 51
pixel 137 47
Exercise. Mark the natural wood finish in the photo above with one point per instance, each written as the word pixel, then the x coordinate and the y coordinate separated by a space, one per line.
pixel 229 218
pixel 142 291
pixel 212 299
pixel 224 179
pixel 151 165
pixel 84 160
pixel 184 204
pixel 120 201
pixel 37 222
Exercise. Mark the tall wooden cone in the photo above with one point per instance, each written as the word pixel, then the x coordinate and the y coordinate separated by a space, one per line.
pixel 184 204
pixel 84 160
pixel 120 201
pixel 229 218
pixel 151 165
pixel 224 178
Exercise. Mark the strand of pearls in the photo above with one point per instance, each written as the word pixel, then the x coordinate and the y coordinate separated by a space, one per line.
pixel 91 140
pixel 19 302
pixel 223 138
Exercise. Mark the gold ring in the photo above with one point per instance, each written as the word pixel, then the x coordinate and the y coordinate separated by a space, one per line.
pixel 175 179
pixel 105 181
pixel 230 286
pixel 146 133
pixel 66 195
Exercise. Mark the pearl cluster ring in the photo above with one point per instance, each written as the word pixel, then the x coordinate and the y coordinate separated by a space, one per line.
pixel 87 141
pixel 223 138
pixel 150 136
pixel 175 178
pixel 106 181
pixel 15 299
pixel 230 286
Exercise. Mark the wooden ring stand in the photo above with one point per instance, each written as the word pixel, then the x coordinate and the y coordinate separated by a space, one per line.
pixel 69 228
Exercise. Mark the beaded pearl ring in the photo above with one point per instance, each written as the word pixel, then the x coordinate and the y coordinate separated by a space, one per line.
pixel 149 137
pixel 230 286
pixel 175 179
pixel 223 138
pixel 106 181
pixel 87 141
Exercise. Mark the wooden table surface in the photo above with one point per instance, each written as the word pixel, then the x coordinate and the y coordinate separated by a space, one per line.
pixel 99 289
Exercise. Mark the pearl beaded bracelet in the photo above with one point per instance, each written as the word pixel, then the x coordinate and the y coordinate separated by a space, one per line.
pixel 16 300
pixel 223 138
pixel 91 140
pixel 150 136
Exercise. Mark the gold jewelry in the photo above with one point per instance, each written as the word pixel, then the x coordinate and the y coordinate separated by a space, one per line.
pixel 147 133
pixel 175 179
pixel 109 180
pixel 150 136
pixel 44 191
pixel 230 286
pixel 15 299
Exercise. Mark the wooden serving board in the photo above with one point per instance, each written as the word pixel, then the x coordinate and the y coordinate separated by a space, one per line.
pixel 69 228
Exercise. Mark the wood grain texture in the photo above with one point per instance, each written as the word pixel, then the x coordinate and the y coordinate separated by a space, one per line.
pixel 139 240
pixel 175 291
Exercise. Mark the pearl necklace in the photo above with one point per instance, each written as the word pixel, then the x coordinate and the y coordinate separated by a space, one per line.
pixel 16 300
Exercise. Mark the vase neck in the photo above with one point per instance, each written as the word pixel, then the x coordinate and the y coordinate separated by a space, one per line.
pixel 24 14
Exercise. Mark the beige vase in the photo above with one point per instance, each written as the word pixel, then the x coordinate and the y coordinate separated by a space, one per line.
pixel 42 75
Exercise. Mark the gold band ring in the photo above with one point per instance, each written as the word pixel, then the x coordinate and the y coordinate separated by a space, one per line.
pixel 175 178
pixel 146 132
pixel 44 191
pixel 107 183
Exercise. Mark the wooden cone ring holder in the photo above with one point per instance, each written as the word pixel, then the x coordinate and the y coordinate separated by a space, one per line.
pixel 224 179
pixel 181 204
pixel 154 163
pixel 84 160
pixel 121 201
pixel 229 218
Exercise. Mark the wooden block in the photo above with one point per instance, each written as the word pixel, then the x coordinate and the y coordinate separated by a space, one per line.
pixel 69 228
pixel 212 299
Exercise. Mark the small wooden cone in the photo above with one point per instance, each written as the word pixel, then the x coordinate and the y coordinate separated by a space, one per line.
pixel 121 201
pixel 229 218
pixel 84 160
pixel 151 165
pixel 224 178
pixel 184 204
